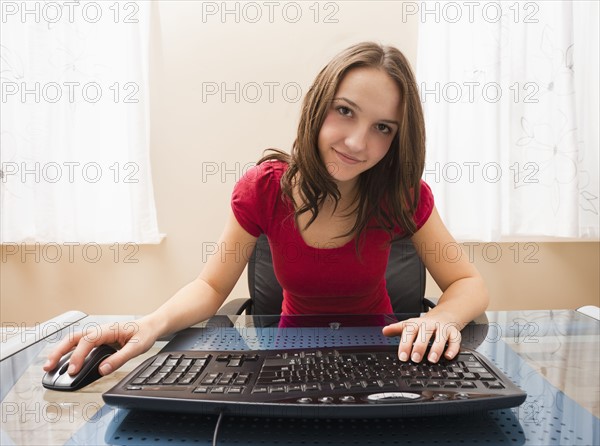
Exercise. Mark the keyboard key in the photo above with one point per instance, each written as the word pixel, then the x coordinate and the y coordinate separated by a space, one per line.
pixel 148 372
pixel 159 361
pixel 235 389
pixel 194 369
pixel 156 378
pixel 271 381
pixel 201 389
pixel 188 378
pixel 211 378
pixel 166 369
pixel 171 378
pixel 226 378
pixel 242 379
pixel 486 377
pixel 275 362
pixel 472 364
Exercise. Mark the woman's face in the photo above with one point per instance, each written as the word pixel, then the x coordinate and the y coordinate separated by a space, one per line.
pixel 360 124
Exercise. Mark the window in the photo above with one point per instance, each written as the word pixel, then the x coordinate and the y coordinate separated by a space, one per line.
pixel 75 163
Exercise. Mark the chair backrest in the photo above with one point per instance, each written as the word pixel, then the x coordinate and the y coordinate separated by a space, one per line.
pixel 405 278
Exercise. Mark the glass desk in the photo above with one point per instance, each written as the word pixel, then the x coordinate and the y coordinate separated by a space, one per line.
pixel 553 355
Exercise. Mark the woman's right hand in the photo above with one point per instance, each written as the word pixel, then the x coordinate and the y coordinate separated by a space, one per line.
pixel 133 337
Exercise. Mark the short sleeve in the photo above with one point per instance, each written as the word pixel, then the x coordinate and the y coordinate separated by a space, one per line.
pixel 254 196
pixel 425 206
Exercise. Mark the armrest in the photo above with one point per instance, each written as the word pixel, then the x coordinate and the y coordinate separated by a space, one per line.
pixel 235 306
pixel 430 302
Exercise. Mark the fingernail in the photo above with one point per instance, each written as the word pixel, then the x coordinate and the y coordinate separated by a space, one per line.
pixel 433 357
pixel 47 364
pixel 449 354
pixel 415 357
pixel 105 369
pixel 403 357
pixel 71 369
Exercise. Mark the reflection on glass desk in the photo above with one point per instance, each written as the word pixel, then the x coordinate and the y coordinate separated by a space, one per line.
pixel 552 355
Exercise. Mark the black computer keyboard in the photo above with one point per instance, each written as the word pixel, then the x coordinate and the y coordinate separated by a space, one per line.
pixel 337 382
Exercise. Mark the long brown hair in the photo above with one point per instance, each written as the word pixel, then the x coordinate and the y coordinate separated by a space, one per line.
pixel 389 191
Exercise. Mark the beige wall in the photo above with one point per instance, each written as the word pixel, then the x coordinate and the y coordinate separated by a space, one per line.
pixel 200 147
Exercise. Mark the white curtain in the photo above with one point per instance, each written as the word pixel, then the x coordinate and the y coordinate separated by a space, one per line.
pixel 75 164
pixel 510 91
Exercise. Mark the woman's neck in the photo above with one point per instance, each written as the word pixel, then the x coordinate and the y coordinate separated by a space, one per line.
pixel 348 197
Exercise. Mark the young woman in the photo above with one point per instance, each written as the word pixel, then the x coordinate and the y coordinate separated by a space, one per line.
pixel 350 185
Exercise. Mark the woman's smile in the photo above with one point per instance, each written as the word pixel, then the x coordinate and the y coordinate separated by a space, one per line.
pixel 347 158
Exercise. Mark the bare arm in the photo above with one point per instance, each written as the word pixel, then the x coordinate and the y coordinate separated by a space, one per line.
pixel 201 298
pixel 195 302
pixel 464 295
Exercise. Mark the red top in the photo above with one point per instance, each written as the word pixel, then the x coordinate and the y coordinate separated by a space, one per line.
pixel 316 280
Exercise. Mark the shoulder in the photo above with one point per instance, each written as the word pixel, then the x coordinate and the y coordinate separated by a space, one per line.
pixel 255 196
pixel 266 174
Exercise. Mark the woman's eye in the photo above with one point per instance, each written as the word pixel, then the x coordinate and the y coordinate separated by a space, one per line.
pixel 344 111
pixel 384 128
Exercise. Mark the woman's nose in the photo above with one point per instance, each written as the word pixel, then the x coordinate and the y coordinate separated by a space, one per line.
pixel 356 140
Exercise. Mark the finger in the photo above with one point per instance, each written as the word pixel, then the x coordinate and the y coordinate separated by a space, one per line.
pixel 396 328
pixel 393 329
pixel 454 340
pixel 64 347
pixel 421 342
pixel 116 360
pixel 409 332
pixel 92 338
pixel 437 346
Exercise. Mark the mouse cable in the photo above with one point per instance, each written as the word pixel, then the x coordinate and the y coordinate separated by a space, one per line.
pixel 216 432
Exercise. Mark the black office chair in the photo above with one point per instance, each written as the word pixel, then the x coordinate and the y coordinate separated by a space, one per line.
pixel 405 279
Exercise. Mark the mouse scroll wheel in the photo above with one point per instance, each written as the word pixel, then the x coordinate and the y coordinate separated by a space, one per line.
pixel 64 368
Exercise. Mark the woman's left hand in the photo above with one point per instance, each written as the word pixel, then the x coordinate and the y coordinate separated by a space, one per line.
pixel 416 333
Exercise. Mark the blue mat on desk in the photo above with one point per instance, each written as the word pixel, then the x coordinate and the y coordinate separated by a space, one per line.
pixel 548 416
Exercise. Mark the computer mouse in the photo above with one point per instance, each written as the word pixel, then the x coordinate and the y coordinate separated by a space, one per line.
pixel 59 379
